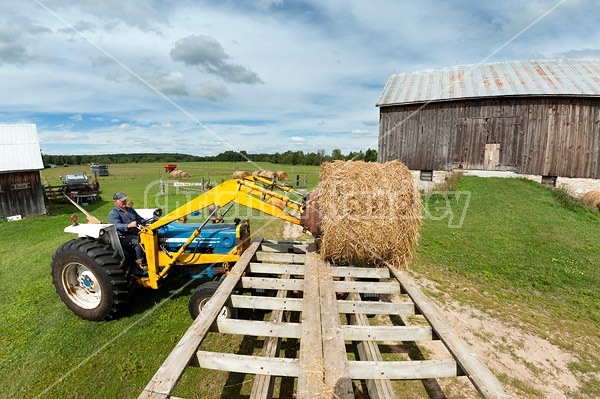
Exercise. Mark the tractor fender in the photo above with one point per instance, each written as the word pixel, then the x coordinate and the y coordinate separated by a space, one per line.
pixel 106 233
pixel 90 230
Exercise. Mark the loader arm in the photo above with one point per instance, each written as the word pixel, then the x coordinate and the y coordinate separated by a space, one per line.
pixel 241 191
pixel 252 192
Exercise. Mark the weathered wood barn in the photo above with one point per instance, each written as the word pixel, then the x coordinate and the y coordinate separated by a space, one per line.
pixel 21 191
pixel 539 117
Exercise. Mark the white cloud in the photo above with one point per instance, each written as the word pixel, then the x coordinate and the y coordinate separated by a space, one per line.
pixel 206 52
pixel 362 133
pixel 313 70
pixel 140 14
pixel 266 4
pixel 168 83
pixel 212 91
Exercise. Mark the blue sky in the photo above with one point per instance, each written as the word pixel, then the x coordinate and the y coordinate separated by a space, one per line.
pixel 203 77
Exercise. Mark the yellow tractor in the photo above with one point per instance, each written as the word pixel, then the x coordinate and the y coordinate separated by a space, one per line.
pixel 94 275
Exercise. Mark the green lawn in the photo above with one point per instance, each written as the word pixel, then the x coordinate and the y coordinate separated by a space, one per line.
pixel 524 253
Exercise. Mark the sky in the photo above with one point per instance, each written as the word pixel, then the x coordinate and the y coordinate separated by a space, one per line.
pixel 201 77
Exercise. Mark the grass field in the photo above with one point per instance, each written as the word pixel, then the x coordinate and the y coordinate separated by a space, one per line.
pixel 523 253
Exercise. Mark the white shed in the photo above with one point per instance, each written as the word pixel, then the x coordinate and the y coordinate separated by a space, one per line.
pixel 21 191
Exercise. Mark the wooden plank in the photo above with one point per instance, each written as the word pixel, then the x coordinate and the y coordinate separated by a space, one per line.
pixel 285 242
pixel 371 287
pixel 372 307
pixel 369 351
pixel 164 380
pixel 268 283
pixel 360 272
pixel 334 349
pixel 279 257
pixel 311 373
pixel 402 370
pixel 274 246
pixel 267 303
pixel 258 328
pixel 263 385
pixel 153 395
pixel 387 333
pixel 276 268
pixel 481 377
pixel 233 363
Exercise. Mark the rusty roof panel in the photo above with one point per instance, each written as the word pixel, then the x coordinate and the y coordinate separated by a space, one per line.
pixel 548 77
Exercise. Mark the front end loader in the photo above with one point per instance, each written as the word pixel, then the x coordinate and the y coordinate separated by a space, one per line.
pixel 94 275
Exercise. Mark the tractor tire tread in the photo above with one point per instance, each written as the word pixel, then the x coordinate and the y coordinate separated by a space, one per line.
pixel 107 268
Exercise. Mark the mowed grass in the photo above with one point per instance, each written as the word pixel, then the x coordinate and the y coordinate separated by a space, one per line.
pixel 48 352
pixel 523 253
pixel 528 255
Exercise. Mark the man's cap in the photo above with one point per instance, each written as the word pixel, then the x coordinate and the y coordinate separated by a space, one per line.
pixel 119 196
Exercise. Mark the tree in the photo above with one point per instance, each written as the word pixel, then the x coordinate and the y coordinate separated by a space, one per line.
pixel 337 155
pixel 370 155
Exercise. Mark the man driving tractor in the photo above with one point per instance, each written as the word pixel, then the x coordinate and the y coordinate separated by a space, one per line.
pixel 127 220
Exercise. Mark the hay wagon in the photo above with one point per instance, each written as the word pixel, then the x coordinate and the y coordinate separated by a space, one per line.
pixel 331 326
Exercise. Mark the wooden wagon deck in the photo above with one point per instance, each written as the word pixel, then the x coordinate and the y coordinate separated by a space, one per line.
pixel 328 300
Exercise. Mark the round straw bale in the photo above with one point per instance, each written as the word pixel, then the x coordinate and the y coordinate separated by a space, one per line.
pixel 281 175
pixel 240 174
pixel 176 174
pixel 267 174
pixel 276 202
pixel 256 173
pixel 371 213
pixel 184 175
pixel 591 199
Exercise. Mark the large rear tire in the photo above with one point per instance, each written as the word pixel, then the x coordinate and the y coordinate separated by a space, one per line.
pixel 89 280
pixel 202 294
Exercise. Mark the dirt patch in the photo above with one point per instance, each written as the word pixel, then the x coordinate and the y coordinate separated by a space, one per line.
pixel 532 362
pixel 292 231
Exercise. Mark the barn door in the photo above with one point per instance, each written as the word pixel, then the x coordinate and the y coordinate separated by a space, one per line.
pixel 469 151
pixel 488 143
pixel 492 156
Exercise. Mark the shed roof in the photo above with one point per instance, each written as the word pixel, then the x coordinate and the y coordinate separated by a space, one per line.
pixel 19 148
pixel 548 77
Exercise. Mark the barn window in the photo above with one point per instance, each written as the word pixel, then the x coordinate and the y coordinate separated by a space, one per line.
pixel 426 175
pixel 549 181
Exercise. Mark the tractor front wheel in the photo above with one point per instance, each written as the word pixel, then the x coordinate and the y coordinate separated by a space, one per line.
pixel 201 296
pixel 88 279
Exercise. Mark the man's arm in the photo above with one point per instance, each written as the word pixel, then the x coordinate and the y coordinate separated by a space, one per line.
pixel 138 218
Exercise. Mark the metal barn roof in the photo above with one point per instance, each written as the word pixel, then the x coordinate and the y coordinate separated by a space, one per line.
pixel 548 77
pixel 19 148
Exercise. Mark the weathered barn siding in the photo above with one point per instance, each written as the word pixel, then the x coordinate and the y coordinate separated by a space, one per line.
pixel 21 193
pixel 556 136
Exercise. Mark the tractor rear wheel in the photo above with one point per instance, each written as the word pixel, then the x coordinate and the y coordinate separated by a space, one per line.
pixel 202 294
pixel 89 280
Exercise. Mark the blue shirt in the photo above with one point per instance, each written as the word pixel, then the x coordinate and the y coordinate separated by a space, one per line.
pixel 121 218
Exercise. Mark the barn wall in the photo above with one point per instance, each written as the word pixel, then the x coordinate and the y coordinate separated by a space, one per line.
pixel 21 193
pixel 556 136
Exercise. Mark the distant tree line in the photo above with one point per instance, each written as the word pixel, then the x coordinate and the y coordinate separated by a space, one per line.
pixel 288 158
